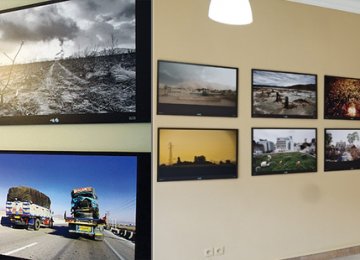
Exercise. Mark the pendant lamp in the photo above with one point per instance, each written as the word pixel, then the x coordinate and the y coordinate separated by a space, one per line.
pixel 234 12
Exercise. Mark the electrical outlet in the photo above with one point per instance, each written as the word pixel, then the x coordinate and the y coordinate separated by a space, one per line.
pixel 208 252
pixel 220 250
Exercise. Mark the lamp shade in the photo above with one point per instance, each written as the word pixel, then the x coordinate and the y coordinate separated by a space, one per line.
pixel 235 12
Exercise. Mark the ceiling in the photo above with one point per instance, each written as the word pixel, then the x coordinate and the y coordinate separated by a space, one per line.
pixel 352 6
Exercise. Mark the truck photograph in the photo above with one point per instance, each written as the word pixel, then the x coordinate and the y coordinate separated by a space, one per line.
pixel 28 207
pixel 85 214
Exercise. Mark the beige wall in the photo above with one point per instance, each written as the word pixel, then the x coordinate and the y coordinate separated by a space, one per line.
pixel 263 217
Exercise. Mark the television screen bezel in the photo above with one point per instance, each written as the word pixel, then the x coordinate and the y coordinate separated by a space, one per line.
pixel 143 79
pixel 253 167
pixel 257 115
pixel 326 93
pixel 339 166
pixel 161 178
pixel 143 244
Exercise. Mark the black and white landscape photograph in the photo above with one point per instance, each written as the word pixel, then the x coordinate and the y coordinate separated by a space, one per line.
pixel 68 58
pixel 283 150
pixel 198 90
pixel 284 94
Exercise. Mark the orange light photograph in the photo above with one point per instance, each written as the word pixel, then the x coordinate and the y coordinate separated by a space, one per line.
pixel 197 153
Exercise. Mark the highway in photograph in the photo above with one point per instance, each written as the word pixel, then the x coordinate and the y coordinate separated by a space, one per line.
pixel 58 243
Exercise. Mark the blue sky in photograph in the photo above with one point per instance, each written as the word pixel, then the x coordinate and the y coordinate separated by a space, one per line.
pixel 113 177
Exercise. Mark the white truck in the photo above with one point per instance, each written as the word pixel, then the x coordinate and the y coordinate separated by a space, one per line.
pixel 28 207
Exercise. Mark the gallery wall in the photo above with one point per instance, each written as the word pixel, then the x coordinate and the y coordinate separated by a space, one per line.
pixel 256 217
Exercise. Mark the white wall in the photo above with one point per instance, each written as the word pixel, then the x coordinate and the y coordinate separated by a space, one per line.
pixel 263 217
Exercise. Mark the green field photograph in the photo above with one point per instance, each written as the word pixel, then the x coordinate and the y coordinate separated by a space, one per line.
pixel 283 150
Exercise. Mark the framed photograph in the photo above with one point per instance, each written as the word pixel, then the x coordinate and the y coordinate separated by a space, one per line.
pixel 55 195
pixel 197 154
pixel 342 149
pixel 341 99
pixel 281 94
pixel 284 150
pixel 196 90
pixel 76 61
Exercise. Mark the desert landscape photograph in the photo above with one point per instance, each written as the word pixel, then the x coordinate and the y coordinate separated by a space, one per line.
pixel 283 94
pixel 200 90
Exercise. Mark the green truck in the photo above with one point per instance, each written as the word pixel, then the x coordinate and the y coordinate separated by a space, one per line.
pixel 84 219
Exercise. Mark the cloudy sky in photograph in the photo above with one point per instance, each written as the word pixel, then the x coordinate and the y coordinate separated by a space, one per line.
pixel 298 135
pixel 66 28
pixel 172 74
pixel 281 79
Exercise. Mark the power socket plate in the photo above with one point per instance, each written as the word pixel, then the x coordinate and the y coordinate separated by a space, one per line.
pixel 220 250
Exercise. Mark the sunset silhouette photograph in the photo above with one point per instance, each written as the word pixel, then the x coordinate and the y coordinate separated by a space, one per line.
pixel 186 154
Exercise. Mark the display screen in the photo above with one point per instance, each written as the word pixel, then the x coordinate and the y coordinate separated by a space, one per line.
pixel 342 149
pixel 341 98
pixel 282 94
pixel 94 190
pixel 283 150
pixel 197 154
pixel 78 61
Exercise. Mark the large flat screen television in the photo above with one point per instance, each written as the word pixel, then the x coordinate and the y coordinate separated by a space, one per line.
pixel 78 61
pixel 121 183
pixel 342 149
pixel 283 150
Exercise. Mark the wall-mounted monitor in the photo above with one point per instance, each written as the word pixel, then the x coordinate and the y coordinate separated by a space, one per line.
pixel 196 89
pixel 342 149
pixel 197 154
pixel 121 182
pixel 281 94
pixel 78 61
pixel 283 150
pixel 341 98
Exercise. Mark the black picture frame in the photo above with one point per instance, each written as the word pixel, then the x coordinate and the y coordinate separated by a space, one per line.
pixel 282 94
pixel 283 150
pixel 341 98
pixel 117 164
pixel 108 83
pixel 340 151
pixel 191 89
pixel 197 154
